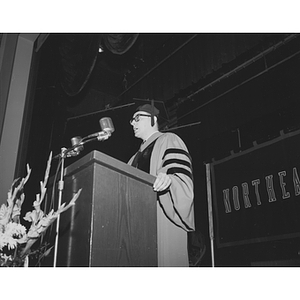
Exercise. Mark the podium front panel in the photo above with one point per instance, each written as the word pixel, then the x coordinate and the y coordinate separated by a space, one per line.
pixel 113 222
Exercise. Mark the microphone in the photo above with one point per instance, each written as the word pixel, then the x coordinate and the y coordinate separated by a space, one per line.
pixel 77 142
pixel 77 147
pixel 107 127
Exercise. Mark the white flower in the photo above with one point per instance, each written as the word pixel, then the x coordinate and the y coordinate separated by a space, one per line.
pixel 3 214
pixel 3 240
pixel 13 234
pixel 15 229
pixel 4 258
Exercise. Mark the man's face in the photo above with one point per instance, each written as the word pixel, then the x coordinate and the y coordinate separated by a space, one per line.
pixel 141 123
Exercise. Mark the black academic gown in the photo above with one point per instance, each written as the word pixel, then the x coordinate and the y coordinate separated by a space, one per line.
pixel 175 207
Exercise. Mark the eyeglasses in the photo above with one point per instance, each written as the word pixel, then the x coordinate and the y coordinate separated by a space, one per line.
pixel 136 118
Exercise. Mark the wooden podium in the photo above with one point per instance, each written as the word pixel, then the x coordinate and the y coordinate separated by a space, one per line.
pixel 114 221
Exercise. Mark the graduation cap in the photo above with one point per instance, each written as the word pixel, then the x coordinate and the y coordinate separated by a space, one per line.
pixel 155 108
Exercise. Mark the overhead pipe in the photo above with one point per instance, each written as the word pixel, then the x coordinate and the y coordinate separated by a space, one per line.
pixel 244 65
pixel 249 62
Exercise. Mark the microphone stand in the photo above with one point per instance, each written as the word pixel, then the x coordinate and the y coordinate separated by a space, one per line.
pixel 73 151
pixel 60 191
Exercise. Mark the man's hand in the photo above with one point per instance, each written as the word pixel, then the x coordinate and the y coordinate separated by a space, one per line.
pixel 162 182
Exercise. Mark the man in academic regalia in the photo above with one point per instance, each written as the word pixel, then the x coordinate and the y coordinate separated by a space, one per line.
pixel 165 156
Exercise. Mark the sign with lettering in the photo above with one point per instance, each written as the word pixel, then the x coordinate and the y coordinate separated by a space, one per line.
pixel 256 193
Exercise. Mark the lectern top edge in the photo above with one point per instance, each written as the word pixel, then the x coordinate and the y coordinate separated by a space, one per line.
pixel 110 162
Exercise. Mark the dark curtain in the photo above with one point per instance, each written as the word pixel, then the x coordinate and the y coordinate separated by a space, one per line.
pixel 119 43
pixel 78 53
pixel 199 58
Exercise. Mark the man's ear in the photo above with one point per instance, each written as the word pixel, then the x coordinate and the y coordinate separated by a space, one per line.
pixel 155 120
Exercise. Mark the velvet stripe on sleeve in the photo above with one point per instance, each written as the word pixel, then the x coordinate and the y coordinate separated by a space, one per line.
pixel 171 156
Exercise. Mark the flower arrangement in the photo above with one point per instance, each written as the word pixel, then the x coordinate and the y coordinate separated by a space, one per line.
pixel 16 240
